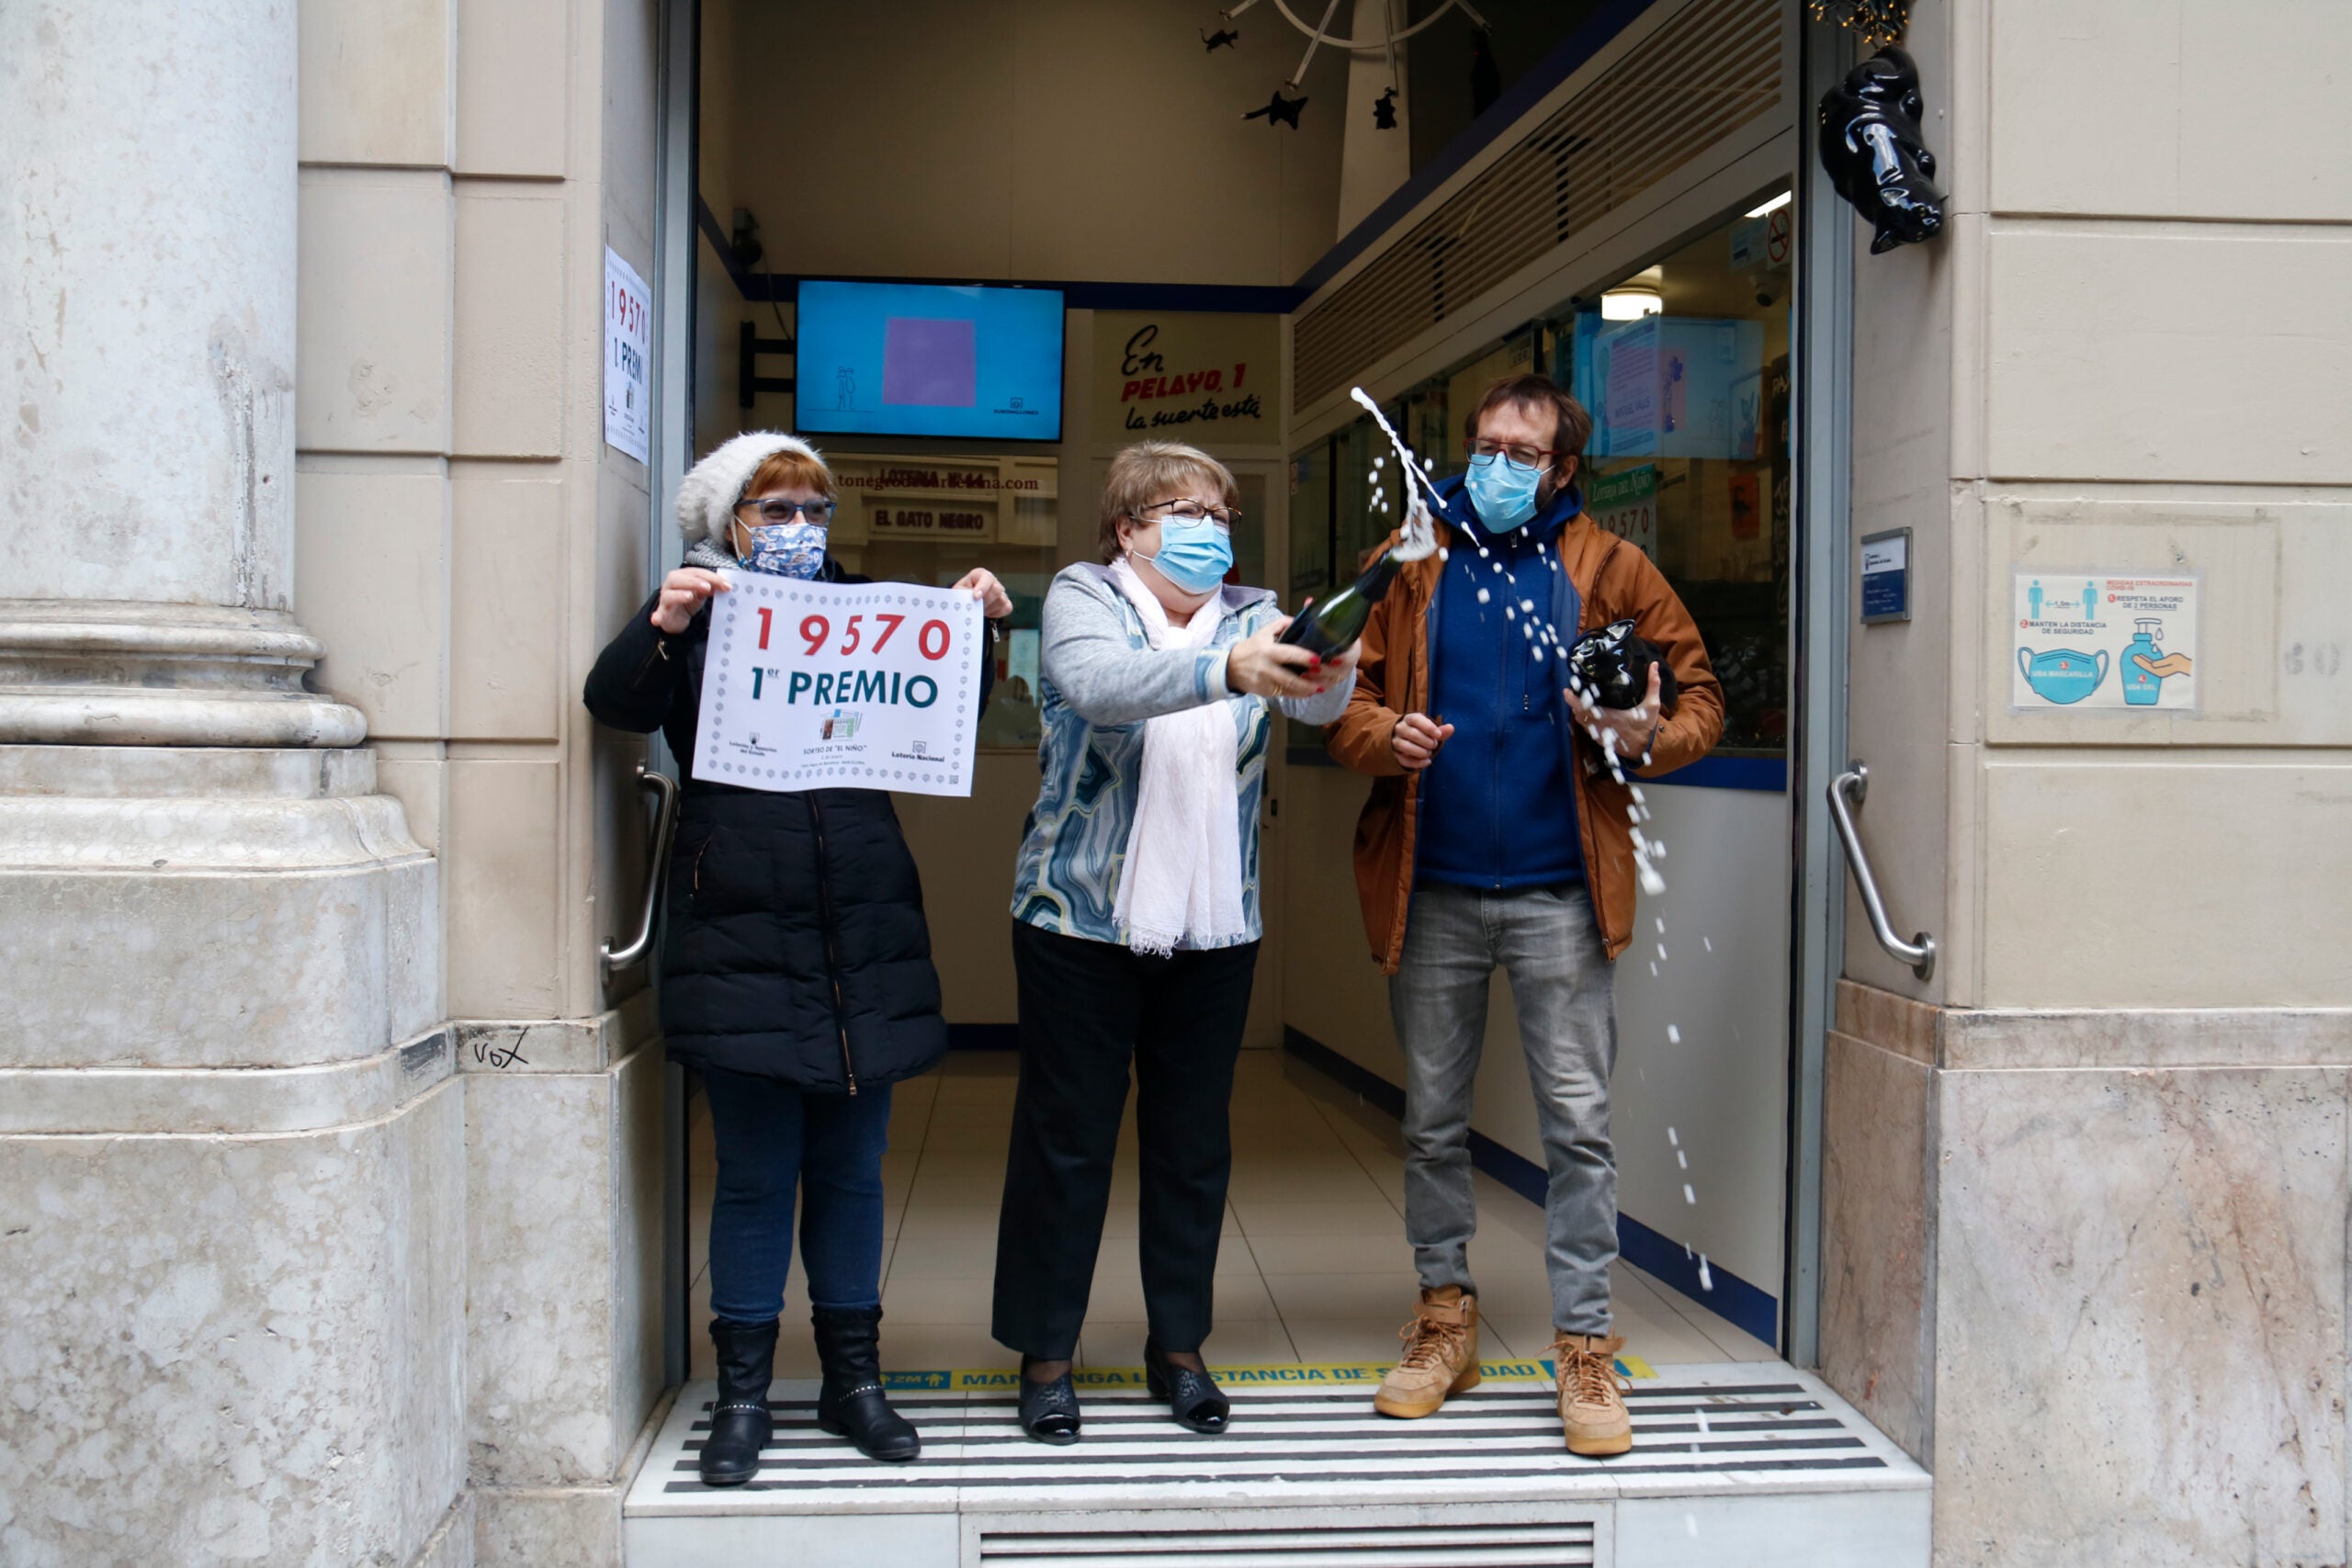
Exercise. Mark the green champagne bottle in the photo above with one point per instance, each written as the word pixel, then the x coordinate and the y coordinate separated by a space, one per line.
pixel 1332 627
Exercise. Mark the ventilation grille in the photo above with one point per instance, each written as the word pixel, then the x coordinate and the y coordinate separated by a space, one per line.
pixel 1395 1546
pixel 1708 71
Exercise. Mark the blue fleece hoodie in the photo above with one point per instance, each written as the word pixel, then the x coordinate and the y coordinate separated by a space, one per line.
pixel 1497 807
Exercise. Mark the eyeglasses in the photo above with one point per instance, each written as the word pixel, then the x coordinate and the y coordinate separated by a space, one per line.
pixel 1483 452
pixel 1224 517
pixel 775 508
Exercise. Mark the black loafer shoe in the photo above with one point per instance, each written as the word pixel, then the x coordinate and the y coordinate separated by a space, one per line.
pixel 1049 1410
pixel 1194 1397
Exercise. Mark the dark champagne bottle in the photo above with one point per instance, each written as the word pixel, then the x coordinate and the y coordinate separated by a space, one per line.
pixel 1333 626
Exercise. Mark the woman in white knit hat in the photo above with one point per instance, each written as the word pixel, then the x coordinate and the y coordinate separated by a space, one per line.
pixel 796 974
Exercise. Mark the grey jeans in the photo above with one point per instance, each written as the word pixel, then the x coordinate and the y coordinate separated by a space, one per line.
pixel 1563 986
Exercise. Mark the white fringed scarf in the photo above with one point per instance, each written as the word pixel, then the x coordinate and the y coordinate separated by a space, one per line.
pixel 1183 877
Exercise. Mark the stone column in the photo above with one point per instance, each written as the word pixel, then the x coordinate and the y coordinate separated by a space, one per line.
pixel 232 1152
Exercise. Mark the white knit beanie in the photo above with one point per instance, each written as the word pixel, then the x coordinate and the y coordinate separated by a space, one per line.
pixel 709 494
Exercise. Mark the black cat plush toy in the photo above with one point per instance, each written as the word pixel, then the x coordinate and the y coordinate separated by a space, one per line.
pixel 1610 668
pixel 1876 155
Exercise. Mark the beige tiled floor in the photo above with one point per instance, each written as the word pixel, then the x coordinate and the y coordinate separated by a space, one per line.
pixel 1313 1267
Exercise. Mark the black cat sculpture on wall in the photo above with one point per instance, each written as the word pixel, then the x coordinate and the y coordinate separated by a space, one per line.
pixel 1876 155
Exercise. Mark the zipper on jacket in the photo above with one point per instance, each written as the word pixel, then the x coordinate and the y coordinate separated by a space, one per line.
pixel 825 918
pixel 661 651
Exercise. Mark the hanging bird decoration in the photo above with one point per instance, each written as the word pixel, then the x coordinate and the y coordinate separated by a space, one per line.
pixel 1223 38
pixel 1279 111
pixel 1383 111
pixel 1876 155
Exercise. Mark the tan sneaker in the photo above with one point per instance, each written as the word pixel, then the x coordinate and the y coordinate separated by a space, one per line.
pixel 1440 1355
pixel 1592 1394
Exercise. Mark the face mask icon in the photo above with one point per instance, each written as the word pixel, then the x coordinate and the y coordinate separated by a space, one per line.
pixel 2063 675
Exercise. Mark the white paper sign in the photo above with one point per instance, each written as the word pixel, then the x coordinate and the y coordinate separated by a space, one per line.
pixel 825 685
pixel 629 354
pixel 2088 640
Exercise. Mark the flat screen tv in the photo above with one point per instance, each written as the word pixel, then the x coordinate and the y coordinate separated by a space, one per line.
pixel 928 360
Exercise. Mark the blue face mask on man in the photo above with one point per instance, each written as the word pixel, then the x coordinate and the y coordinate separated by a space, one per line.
pixel 786 549
pixel 1194 553
pixel 1503 492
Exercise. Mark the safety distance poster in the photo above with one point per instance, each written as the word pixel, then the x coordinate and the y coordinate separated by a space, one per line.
pixel 2085 639
pixel 828 685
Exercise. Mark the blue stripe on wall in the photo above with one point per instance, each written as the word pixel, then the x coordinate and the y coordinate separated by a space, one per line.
pixel 1770 773
pixel 1735 1300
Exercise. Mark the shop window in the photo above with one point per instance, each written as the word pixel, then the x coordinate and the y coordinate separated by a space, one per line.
pixel 931 520
pixel 1686 373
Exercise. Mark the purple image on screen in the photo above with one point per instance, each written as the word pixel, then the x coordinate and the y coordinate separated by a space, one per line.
pixel 929 363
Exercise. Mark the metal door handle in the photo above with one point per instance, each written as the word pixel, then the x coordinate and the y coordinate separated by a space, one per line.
pixel 665 822
pixel 1920 951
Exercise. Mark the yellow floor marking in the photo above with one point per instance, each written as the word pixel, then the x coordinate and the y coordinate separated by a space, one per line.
pixel 1364 1374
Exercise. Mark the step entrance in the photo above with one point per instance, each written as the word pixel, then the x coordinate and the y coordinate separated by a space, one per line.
pixel 1748 1463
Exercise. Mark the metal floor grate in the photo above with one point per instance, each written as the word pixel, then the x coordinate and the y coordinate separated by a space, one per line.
pixel 1698 1429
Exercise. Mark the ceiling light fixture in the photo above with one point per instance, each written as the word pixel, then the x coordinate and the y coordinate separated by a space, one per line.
pixel 1639 295
pixel 1775 205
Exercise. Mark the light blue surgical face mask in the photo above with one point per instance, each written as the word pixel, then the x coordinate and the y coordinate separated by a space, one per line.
pixel 786 549
pixel 1194 554
pixel 1503 492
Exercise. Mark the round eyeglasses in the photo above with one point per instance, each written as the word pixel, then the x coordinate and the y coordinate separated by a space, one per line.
pixel 776 509
pixel 1529 459
pixel 1224 517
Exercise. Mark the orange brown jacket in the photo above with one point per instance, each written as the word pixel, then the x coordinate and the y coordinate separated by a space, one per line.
pixel 1614 581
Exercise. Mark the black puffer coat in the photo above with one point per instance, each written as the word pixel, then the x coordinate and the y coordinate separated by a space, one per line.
pixel 796 946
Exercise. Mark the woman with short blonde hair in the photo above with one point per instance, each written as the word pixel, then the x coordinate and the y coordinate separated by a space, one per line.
pixel 1134 918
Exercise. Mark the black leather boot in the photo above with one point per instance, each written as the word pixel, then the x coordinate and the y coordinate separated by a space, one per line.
pixel 852 1403
pixel 740 1423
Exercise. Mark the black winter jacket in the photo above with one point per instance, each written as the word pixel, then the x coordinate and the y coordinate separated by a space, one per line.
pixel 794 945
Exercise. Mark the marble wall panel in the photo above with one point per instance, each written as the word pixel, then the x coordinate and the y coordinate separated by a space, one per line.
pixel 2140 1313
pixel 1877 1263
pixel 232 1350
pixel 2194 108
pixel 513 65
pixel 2089 325
pixel 541 1240
pixel 504 871
pixel 372 371
pixel 505 645
pixel 372 583
pixel 376 81
pixel 508 378
pixel 517 1529
pixel 2145 880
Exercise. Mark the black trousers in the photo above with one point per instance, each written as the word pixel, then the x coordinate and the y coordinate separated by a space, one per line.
pixel 1087 1008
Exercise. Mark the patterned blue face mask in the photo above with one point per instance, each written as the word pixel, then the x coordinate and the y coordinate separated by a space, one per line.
pixel 786 549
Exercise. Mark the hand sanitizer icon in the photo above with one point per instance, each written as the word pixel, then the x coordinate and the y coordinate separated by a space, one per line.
pixel 2141 687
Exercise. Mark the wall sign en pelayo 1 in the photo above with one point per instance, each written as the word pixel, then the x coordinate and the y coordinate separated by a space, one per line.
pixel 2085 640
pixel 831 685
pixel 1200 376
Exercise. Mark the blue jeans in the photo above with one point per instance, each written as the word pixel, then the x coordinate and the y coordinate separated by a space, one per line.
pixel 1565 991
pixel 773 1137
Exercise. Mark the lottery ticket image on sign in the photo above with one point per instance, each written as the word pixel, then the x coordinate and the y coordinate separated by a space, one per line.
pixel 837 685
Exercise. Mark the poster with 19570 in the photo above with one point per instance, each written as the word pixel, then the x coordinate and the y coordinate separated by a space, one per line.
pixel 836 685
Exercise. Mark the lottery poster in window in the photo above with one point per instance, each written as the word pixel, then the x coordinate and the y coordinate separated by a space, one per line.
pixel 835 685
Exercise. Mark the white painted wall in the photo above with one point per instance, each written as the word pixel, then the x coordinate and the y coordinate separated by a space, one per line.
pixel 1723 1088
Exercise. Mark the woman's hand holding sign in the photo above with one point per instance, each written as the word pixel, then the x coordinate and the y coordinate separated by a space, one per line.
pixel 981 583
pixel 682 592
